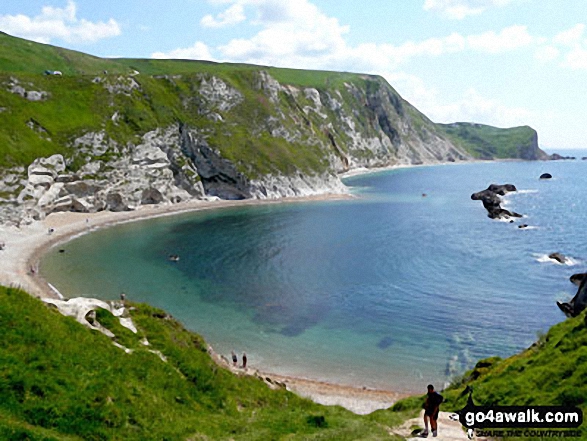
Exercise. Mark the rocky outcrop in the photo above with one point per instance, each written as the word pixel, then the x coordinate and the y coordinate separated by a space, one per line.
pixel 168 166
pixel 579 302
pixel 577 279
pixel 558 257
pixel 545 176
pixel 557 157
pixel 219 176
pixel 492 201
pixel 16 87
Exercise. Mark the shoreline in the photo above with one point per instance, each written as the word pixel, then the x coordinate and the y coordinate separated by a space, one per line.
pixel 25 247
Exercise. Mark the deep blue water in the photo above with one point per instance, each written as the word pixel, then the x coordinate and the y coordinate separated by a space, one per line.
pixel 391 290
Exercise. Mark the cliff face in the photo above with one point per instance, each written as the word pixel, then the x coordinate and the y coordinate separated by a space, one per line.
pixel 91 140
pixel 171 138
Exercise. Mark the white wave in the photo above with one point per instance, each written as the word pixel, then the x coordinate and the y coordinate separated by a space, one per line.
pixel 508 219
pixel 543 258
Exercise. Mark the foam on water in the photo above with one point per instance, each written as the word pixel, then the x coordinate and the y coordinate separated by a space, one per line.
pixel 543 258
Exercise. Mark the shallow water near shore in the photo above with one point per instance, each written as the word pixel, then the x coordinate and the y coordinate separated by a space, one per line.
pixel 392 290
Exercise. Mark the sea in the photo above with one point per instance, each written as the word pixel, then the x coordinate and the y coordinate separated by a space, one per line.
pixel 408 283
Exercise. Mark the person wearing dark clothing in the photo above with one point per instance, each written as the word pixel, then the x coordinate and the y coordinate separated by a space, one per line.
pixel 234 358
pixel 244 360
pixel 431 410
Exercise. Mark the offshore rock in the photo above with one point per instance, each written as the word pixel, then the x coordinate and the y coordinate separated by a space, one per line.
pixel 492 201
pixel 560 258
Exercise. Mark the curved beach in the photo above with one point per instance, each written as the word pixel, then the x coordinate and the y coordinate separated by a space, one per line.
pixel 25 246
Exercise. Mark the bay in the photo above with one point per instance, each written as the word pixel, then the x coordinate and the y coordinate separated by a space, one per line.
pixel 408 284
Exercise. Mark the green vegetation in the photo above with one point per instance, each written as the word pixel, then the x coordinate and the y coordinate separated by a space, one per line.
pixel 62 381
pixel 87 99
pixel 22 56
pixel 487 142
pixel 551 372
pixel 126 98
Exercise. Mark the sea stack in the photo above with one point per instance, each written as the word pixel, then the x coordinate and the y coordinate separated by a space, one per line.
pixel 492 201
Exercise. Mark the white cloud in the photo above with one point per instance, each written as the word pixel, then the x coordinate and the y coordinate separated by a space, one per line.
pixel 508 39
pixel 292 32
pixel 460 9
pixel 199 51
pixel 571 36
pixel 576 59
pixel 233 15
pixel 571 43
pixel 471 107
pixel 60 23
pixel 545 54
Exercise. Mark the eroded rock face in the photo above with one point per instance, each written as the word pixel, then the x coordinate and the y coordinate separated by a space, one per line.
pixel 577 279
pixel 578 303
pixel 492 201
pixel 218 95
pixel 219 176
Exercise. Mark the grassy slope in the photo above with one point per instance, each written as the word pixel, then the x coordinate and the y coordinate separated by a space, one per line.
pixel 60 380
pixel 487 142
pixel 551 372
pixel 22 56
pixel 76 105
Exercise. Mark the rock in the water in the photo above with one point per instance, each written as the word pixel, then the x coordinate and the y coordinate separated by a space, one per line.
pixel 545 176
pixel 579 302
pixel 385 342
pixel 557 157
pixel 523 226
pixel 492 201
pixel 560 258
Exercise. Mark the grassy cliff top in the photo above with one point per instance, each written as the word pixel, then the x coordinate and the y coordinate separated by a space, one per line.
pixel 551 372
pixel 487 142
pixel 20 56
pixel 62 381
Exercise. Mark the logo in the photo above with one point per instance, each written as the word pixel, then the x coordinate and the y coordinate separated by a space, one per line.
pixel 551 417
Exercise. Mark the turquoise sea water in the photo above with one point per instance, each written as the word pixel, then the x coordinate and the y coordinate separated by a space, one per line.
pixel 391 290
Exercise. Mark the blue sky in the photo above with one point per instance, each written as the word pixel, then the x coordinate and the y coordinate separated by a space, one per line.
pixel 498 62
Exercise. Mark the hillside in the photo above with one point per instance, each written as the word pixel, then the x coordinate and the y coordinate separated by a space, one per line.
pixel 118 133
pixel 486 142
pixel 62 381
pixel 551 372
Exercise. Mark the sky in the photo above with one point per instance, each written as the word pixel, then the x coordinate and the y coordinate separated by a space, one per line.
pixel 500 62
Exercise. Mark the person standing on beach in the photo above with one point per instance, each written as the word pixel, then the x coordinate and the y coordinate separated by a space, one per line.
pixel 431 410
pixel 234 358
pixel 244 360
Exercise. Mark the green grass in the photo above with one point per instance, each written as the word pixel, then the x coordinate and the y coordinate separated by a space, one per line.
pixel 550 372
pixel 62 381
pixel 19 56
pixel 169 94
pixel 487 142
